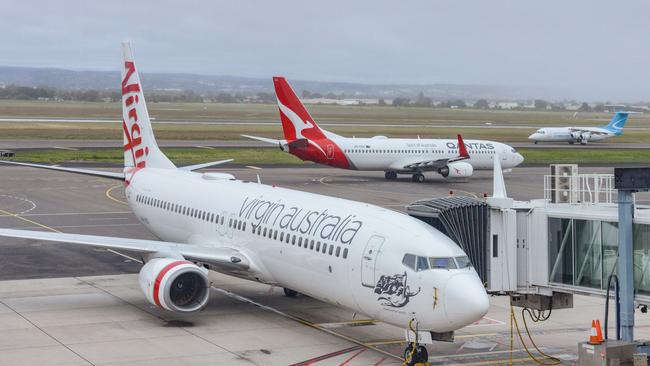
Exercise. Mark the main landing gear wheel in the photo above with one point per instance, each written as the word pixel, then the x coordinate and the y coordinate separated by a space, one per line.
pixel 418 177
pixel 391 175
pixel 289 292
pixel 419 357
pixel 535 142
pixel 571 142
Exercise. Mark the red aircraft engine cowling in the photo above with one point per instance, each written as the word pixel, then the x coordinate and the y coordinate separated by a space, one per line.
pixel 175 285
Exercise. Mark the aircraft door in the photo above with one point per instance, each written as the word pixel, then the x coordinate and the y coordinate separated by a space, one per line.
pixel 369 260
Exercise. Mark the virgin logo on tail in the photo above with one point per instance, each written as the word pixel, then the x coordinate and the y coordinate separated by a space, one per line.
pixel 132 133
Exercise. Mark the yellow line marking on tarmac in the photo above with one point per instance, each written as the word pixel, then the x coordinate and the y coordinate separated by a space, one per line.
pixel 57 231
pixel 501 362
pixel 303 321
pixel 362 321
pixel 398 341
pixel 108 195
pixel 30 221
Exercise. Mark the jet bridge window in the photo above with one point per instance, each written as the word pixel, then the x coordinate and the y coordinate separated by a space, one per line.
pixel 345 253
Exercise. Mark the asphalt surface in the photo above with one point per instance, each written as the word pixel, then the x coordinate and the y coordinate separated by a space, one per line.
pixel 17 145
pixel 52 313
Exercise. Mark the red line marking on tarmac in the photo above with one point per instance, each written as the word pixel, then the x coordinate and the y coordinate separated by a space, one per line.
pixel 381 360
pixel 326 356
pixel 353 356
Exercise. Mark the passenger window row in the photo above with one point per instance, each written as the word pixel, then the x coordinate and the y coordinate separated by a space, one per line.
pixel 392 151
pixel 418 263
pixel 300 242
pixel 183 210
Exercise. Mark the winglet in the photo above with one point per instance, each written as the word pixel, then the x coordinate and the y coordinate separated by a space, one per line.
pixel 498 184
pixel 462 150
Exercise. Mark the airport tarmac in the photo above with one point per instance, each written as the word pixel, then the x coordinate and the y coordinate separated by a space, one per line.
pixel 207 144
pixel 65 305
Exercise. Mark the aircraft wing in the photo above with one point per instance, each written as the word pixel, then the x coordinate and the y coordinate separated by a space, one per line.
pixel 263 139
pixel 96 173
pixel 221 256
pixel 439 163
pixel 590 130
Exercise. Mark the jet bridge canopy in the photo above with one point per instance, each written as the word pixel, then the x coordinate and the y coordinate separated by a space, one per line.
pixel 464 220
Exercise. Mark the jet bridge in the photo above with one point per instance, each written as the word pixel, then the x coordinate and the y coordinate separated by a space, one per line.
pixel 545 250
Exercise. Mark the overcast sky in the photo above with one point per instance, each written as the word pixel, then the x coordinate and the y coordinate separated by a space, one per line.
pixel 584 47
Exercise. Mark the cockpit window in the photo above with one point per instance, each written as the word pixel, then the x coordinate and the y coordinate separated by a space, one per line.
pixel 463 262
pixel 442 263
pixel 422 264
pixel 409 261
pixel 417 263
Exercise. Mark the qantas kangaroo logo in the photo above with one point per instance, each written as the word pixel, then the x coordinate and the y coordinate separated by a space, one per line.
pixel 132 134
pixel 299 126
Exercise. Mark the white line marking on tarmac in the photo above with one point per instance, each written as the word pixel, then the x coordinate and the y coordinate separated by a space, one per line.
pixel 80 226
pixel 20 199
pixel 107 218
pixel 65 148
pixel 253 167
pixel 204 147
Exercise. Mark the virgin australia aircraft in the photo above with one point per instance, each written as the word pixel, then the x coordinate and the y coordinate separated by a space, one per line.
pixel 449 158
pixel 582 134
pixel 375 261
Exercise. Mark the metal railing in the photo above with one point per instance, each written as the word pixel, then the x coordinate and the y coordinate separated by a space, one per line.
pixel 580 188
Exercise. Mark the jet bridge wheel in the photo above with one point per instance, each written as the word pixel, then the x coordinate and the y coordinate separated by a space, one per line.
pixel 391 175
pixel 289 292
pixel 418 178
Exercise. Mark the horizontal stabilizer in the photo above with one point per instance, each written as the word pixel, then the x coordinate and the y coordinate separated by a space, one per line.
pixel 96 173
pixel 205 165
pixel 263 139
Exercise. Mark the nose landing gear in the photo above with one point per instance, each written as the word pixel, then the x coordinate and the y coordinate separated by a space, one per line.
pixel 391 175
pixel 415 354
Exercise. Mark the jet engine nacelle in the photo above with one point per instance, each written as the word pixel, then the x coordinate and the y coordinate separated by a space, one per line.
pixel 457 169
pixel 175 285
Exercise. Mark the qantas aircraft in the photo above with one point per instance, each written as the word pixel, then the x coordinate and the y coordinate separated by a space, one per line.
pixel 375 261
pixel 450 158
pixel 582 134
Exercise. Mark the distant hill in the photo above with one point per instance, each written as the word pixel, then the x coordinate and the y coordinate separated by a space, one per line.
pixel 211 84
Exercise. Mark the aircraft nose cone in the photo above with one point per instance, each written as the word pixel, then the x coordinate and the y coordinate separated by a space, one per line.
pixel 533 136
pixel 519 159
pixel 465 299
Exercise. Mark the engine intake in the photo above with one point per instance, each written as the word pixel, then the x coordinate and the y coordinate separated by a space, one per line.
pixel 459 169
pixel 175 285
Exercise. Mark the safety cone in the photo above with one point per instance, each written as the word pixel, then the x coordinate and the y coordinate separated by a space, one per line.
pixel 599 332
pixel 594 335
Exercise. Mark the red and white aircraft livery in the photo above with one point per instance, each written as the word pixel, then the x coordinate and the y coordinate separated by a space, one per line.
pixel 304 139
pixel 375 261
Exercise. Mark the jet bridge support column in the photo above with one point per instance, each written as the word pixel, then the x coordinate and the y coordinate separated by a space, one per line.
pixel 627 181
pixel 625 265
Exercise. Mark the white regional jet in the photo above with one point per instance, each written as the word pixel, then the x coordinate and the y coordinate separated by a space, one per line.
pixel 375 261
pixel 304 139
pixel 582 134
